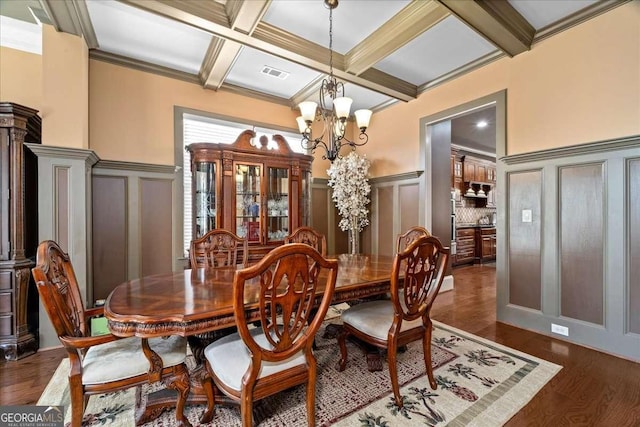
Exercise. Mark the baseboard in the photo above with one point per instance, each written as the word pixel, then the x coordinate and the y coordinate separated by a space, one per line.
pixel 447 284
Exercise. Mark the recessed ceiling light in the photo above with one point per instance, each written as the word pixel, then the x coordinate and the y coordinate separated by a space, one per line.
pixel 482 124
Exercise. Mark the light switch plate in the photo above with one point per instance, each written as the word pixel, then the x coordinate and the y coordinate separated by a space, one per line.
pixel 526 215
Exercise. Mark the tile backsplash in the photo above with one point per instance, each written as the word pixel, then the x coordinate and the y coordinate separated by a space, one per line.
pixel 472 215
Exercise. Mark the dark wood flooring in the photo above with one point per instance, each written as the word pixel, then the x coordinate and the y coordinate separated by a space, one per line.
pixel 592 389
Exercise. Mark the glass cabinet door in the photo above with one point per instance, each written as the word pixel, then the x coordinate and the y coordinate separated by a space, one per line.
pixel 248 196
pixel 205 198
pixel 277 203
pixel 305 200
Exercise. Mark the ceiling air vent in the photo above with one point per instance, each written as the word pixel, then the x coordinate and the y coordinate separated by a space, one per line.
pixel 274 72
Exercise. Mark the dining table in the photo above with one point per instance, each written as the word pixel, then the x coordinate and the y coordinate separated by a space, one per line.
pixel 196 302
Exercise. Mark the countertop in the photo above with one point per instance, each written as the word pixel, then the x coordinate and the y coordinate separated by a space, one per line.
pixel 474 225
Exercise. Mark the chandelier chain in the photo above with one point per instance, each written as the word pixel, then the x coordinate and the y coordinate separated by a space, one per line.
pixel 331 42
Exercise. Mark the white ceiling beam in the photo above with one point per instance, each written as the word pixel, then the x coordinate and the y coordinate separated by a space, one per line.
pixel 497 21
pixel 244 16
pixel 204 16
pixel 416 18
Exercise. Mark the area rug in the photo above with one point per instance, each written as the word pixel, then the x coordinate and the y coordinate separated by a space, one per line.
pixel 480 383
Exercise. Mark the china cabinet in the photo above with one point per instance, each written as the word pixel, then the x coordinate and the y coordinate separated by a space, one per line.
pixel 18 231
pixel 260 191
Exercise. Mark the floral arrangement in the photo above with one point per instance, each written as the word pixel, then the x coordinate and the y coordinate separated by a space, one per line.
pixel 348 177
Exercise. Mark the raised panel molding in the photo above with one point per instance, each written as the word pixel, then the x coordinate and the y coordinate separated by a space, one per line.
pixel 590 259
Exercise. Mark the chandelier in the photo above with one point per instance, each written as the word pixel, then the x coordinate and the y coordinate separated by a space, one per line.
pixel 334 118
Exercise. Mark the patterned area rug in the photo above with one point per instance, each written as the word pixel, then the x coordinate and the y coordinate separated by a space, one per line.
pixel 480 383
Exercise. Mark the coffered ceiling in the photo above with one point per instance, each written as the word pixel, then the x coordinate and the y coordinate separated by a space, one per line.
pixel 385 51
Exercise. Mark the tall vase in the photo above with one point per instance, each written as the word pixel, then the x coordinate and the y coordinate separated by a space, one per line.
pixel 354 238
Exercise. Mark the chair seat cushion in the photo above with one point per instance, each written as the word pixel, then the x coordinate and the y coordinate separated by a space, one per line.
pixel 229 359
pixel 124 358
pixel 374 318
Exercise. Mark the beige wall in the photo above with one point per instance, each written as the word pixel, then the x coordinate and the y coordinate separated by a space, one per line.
pixel 580 86
pixel 131 112
pixel 65 89
pixel 21 77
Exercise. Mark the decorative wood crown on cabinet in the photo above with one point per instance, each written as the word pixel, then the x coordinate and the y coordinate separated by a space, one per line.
pixel 260 192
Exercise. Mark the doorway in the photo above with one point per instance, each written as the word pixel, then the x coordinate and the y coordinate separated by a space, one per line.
pixel 435 147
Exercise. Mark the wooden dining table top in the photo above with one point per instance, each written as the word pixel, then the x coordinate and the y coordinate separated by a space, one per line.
pixel 200 300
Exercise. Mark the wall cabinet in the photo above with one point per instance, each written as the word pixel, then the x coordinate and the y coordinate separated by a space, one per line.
pixel 260 192
pixel 18 230
pixel 457 183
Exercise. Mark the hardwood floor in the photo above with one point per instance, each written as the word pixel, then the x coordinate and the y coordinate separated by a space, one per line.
pixel 592 389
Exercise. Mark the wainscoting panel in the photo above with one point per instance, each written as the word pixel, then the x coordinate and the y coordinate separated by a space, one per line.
pixel 61 174
pixel 395 206
pixel 141 224
pixel 582 242
pixel 633 275
pixel 588 214
pixel 155 224
pixel 409 196
pixel 386 211
pixel 110 257
pixel 525 275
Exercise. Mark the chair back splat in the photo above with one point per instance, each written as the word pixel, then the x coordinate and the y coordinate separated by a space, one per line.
pixel 218 248
pixel 310 237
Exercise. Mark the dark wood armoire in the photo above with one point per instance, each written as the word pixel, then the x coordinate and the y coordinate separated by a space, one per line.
pixel 18 230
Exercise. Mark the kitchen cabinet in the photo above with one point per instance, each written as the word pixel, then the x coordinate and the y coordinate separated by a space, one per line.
pixel 485 244
pixel 260 192
pixel 465 246
pixel 457 184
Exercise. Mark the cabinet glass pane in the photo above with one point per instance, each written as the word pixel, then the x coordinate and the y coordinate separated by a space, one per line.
pixel 305 208
pixel 248 202
pixel 204 203
pixel 277 203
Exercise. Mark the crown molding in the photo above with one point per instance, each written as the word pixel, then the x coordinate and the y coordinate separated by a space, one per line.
pixel 228 87
pixel 397 177
pixel 577 18
pixel 116 59
pixel 71 16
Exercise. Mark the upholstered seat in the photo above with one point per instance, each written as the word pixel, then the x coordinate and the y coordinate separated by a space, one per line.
pixel 103 363
pixel 121 359
pixel 229 359
pixel 276 355
pixel 391 324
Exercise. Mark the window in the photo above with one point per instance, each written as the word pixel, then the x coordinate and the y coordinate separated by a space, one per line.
pixel 200 128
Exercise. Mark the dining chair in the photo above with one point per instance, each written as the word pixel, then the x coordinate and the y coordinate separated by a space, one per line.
pixel 405 239
pixel 390 324
pixel 104 363
pixel 310 237
pixel 218 248
pixel 257 362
